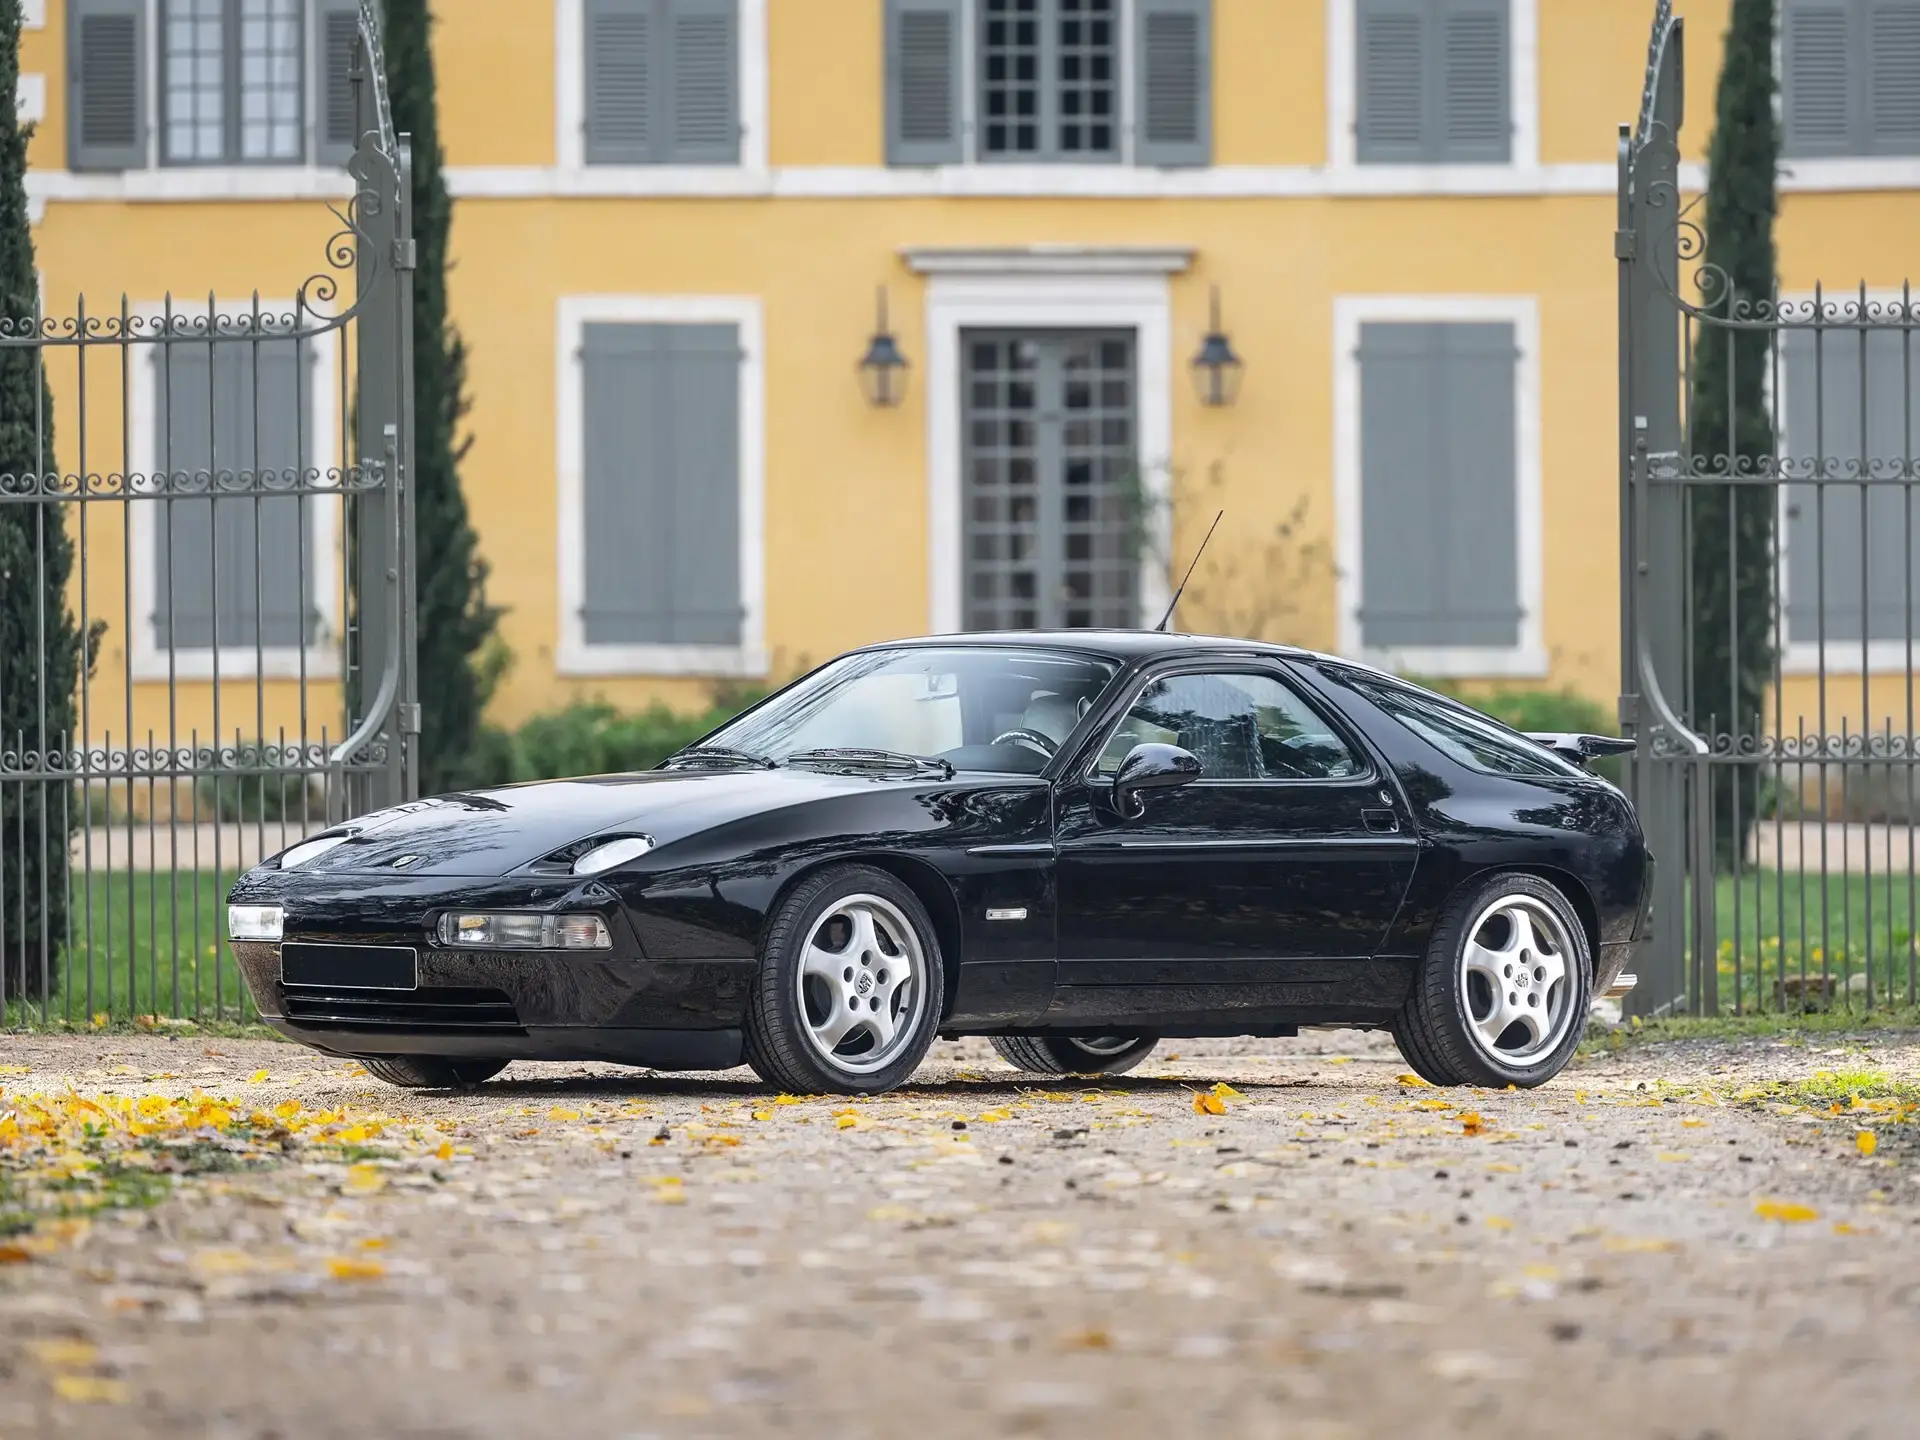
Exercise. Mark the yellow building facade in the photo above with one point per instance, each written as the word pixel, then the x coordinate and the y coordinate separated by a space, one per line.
pixel 673 218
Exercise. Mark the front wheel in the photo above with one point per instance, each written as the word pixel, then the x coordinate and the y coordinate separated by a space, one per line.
pixel 848 993
pixel 430 1072
pixel 1501 998
pixel 1073 1054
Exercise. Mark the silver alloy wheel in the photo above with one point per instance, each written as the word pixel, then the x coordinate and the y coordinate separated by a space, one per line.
pixel 1514 979
pixel 1102 1044
pixel 861 984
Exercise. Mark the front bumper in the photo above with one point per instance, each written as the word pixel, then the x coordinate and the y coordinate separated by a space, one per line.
pixel 539 1005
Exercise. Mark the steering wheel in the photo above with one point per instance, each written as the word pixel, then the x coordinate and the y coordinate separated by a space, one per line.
pixel 1032 739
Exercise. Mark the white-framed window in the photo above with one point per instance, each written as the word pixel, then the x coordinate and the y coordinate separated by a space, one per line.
pixel 1046 291
pixel 1433 84
pixel 661 83
pixel 1849 405
pixel 1437 483
pixel 232 575
pixel 662 459
pixel 1049 82
pixel 199 83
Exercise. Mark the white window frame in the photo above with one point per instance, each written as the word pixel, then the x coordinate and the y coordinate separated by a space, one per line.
pixel 575 656
pixel 1343 101
pixel 153 660
pixel 570 111
pixel 1527 658
pixel 1842 657
pixel 1044 288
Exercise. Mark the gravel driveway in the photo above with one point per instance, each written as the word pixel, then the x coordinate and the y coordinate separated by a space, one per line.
pixel 1633 1250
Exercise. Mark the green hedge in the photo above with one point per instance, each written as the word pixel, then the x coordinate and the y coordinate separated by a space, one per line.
pixel 594 737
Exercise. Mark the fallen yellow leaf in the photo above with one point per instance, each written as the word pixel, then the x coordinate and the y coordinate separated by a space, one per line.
pixel 1089 1340
pixel 1225 1091
pixel 1334 1059
pixel 1785 1211
pixel 556 1113
pixel 347 1267
pixel 1499 1222
pixel 91 1390
pixel 994 1117
pixel 1471 1123
pixel 364 1179
pixel 259 1077
pixel 1866 1141
pixel 13 1255
pixel 763 1114
pixel 65 1354
pixel 846 1122
pixel 1414 1082
pixel 1639 1244
pixel 786 1099
pixel 1205 1104
pixel 445 1151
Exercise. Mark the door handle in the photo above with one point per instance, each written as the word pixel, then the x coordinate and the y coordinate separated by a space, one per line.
pixel 1381 821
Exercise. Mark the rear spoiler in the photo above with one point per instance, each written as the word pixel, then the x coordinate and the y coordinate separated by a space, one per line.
pixel 1582 748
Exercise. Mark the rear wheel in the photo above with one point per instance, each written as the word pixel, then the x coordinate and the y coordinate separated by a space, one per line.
pixel 430 1072
pixel 1502 996
pixel 848 993
pixel 1074 1054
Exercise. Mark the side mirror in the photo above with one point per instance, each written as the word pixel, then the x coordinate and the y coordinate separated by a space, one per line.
pixel 1151 767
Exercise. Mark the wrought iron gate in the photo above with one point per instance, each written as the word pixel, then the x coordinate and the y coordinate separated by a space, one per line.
pixel 229 502
pixel 1781 815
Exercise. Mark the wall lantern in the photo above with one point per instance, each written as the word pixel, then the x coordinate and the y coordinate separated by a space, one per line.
pixel 1216 369
pixel 883 369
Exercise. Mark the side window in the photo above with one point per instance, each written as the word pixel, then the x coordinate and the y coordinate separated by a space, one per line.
pixel 1477 744
pixel 1241 726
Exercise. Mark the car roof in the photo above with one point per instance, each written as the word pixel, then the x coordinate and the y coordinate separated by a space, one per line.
pixel 1121 645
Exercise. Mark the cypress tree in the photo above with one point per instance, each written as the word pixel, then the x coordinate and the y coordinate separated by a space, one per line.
pixel 456 624
pixel 39 648
pixel 1730 427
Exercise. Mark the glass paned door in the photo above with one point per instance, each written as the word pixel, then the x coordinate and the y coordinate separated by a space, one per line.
pixel 1051 475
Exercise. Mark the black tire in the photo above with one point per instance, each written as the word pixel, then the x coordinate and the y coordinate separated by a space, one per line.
pixel 431 1072
pixel 1070 1055
pixel 783 1005
pixel 1436 1028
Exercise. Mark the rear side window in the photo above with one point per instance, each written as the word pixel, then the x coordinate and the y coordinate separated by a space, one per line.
pixel 1476 743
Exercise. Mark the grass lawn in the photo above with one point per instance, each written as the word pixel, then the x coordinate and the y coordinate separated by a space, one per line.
pixel 1849 923
pixel 146 943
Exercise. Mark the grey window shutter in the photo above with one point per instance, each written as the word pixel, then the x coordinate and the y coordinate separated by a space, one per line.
pixel 1818 48
pixel 275 556
pixel 183 529
pixel 1893 105
pixel 923 80
pixel 1830 545
pixel 1174 69
pixel 337 31
pixel 106 84
pixel 661 484
pixel 703 76
pixel 1439 511
pixel 623 103
pixel 1475 122
pixel 1391 105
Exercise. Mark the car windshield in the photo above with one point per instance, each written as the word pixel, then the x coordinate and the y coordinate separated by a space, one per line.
pixel 975 707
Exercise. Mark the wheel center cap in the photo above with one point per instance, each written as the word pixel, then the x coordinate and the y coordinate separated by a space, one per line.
pixel 1522 979
pixel 864 983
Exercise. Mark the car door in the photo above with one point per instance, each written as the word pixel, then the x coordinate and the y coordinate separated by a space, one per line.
pixel 1260 885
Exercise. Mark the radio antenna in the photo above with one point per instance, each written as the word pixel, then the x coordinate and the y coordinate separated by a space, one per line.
pixel 1189 575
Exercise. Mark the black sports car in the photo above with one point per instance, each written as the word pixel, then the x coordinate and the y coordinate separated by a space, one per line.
pixel 1076 843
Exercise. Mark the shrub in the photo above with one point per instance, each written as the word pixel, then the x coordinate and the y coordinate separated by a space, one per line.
pixel 595 737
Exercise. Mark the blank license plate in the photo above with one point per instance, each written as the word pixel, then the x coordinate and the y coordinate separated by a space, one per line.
pixel 351 967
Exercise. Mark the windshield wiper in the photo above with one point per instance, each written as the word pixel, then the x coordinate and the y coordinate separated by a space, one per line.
pixel 859 757
pixel 716 755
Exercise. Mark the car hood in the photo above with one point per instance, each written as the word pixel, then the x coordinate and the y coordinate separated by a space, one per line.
pixel 494 832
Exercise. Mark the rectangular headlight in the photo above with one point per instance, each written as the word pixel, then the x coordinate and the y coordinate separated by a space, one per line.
pixel 254 922
pixel 518 930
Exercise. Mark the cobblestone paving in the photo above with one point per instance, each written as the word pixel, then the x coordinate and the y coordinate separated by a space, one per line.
pixel 283 1247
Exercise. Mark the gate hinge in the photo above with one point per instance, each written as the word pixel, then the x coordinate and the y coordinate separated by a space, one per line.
pixel 410 717
pixel 1629 712
pixel 1624 247
pixel 405 254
